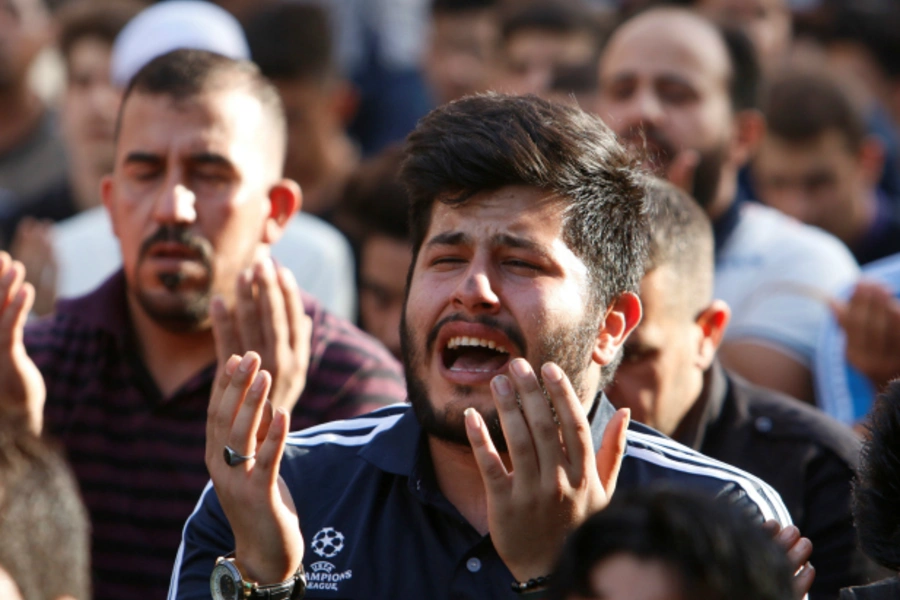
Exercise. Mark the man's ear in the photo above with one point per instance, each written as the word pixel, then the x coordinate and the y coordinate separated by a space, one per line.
pixel 622 317
pixel 712 321
pixel 107 192
pixel 345 100
pixel 871 159
pixel 750 127
pixel 285 199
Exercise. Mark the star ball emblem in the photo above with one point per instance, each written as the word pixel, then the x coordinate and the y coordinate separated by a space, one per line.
pixel 328 542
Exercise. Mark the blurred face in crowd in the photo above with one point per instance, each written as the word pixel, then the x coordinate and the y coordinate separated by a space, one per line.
pixel 90 105
pixel 531 57
pixel 194 198
pixel 822 182
pixel 384 262
pixel 766 22
pixel 314 118
pixel 460 54
pixel 24 28
pixel 629 577
pixel 664 80
pixel 661 374
pixel 494 280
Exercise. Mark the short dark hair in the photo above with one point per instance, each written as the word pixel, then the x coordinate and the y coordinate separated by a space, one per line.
pixel 718 552
pixel 563 17
pixel 453 7
pixel 97 19
pixel 873 28
pixel 43 523
pixel 292 41
pixel 801 105
pixel 681 238
pixel 876 493
pixel 186 73
pixel 489 141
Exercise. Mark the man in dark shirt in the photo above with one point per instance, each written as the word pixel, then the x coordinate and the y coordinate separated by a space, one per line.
pixel 528 240
pixel 671 381
pixel 196 198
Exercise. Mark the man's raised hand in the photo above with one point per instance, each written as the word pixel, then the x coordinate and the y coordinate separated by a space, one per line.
pixel 268 318
pixel 259 507
pixel 555 481
pixel 22 390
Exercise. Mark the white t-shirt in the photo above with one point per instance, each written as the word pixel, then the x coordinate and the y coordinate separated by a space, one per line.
pixel 318 255
pixel 768 272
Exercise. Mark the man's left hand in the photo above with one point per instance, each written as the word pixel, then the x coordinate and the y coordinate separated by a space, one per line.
pixel 556 481
pixel 798 549
pixel 268 318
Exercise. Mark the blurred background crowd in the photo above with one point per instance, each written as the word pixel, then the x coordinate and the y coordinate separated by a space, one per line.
pixel 785 130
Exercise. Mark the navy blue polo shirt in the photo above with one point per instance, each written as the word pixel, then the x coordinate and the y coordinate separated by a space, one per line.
pixel 377 527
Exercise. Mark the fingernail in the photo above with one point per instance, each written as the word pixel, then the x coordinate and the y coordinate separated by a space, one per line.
pixel 501 385
pixel 472 418
pixel 552 372
pixel 233 361
pixel 218 306
pixel 520 367
pixel 246 362
pixel 258 382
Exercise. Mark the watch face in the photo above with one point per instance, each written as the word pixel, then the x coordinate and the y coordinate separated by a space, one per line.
pixel 223 583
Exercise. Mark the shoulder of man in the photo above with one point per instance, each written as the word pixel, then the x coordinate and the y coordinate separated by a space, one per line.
pixel 654 459
pixel 349 366
pixel 317 462
pixel 776 416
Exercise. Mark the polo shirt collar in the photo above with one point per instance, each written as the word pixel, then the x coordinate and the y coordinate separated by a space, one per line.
pixel 403 449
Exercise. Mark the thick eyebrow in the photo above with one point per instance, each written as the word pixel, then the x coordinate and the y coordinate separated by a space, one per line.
pixel 459 238
pixel 142 158
pixel 511 241
pixel 449 238
pixel 211 158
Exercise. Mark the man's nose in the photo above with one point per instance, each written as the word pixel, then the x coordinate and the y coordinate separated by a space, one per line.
pixel 176 204
pixel 643 109
pixel 476 292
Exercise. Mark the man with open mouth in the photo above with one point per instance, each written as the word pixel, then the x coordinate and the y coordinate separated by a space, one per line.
pixel 528 237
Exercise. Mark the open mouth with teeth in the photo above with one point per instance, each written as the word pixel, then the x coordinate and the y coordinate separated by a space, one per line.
pixel 473 354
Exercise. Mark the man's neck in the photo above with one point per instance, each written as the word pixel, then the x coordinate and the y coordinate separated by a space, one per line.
pixel 460 481
pixel 22 111
pixel 171 358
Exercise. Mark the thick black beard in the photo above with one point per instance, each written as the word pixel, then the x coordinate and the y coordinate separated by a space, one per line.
pixel 652 145
pixel 570 349
pixel 192 315
pixel 707 176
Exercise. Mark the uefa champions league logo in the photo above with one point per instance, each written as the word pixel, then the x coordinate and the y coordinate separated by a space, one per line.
pixel 328 542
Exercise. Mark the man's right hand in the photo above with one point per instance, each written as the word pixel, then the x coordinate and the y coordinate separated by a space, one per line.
pixel 22 390
pixel 256 500
pixel 267 318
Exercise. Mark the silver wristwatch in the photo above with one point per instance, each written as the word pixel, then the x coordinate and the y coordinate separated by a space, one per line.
pixel 227 583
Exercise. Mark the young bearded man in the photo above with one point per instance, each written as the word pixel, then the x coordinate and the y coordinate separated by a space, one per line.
pixel 528 236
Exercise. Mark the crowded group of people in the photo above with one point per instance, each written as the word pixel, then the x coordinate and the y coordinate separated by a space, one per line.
pixel 556 299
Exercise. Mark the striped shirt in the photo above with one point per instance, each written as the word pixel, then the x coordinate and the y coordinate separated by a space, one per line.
pixel 377 527
pixel 139 456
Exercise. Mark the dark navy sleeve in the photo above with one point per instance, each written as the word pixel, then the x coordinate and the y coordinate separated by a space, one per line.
pixel 207 536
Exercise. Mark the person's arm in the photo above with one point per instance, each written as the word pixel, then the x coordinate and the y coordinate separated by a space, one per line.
pixel 768 367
